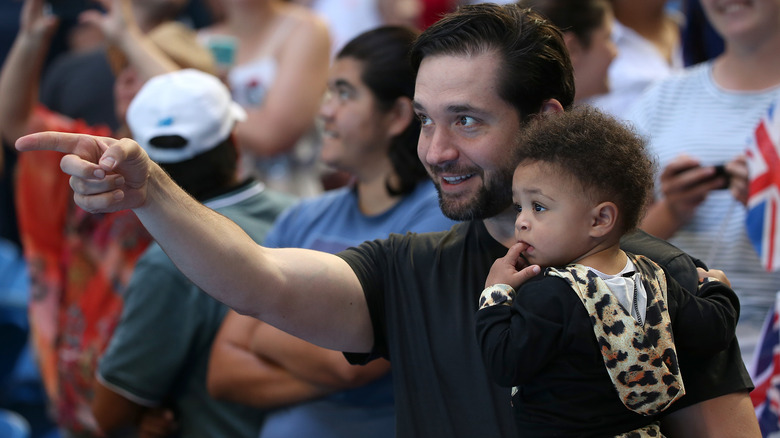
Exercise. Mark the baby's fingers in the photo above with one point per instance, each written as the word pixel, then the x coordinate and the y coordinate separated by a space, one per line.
pixel 524 275
pixel 515 251
pixel 515 255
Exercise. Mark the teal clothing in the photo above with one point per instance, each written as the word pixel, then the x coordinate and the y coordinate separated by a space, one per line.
pixel 159 352
pixel 333 222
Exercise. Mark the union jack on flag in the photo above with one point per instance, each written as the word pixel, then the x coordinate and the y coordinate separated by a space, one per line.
pixel 764 191
pixel 765 371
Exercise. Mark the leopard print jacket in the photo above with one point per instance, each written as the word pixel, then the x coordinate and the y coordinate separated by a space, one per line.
pixel 641 359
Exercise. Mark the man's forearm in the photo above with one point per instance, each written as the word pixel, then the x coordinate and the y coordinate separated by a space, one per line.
pixel 241 377
pixel 271 284
pixel 314 364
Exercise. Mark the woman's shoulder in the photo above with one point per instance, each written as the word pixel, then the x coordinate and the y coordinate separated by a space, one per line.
pixel 304 19
pixel 295 22
pixel 301 34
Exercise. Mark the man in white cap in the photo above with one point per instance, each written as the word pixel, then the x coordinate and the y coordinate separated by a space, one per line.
pixel 158 355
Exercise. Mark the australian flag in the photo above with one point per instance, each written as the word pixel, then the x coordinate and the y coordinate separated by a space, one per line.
pixel 764 191
pixel 765 372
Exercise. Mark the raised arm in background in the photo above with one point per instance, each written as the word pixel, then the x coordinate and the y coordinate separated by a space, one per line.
pixel 122 30
pixel 21 71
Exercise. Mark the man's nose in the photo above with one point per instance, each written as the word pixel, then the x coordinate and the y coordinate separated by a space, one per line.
pixel 327 106
pixel 440 147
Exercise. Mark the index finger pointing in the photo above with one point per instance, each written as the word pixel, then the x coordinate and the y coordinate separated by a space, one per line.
pixel 86 146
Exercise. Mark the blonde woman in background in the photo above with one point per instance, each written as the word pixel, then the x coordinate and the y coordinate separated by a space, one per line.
pixel 274 56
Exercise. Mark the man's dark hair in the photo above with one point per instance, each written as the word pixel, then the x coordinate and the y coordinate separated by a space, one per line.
pixel 604 155
pixel 207 174
pixel 536 65
pixel 580 17
pixel 384 57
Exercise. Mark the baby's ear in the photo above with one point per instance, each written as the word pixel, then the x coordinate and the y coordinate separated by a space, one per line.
pixel 604 219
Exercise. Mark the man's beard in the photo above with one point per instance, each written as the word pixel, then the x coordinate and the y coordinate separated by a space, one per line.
pixel 492 198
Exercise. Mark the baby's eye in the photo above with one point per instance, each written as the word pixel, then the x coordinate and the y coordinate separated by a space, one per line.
pixel 539 207
pixel 518 208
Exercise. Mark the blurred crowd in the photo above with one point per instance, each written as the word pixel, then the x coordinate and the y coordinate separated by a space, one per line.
pixel 312 143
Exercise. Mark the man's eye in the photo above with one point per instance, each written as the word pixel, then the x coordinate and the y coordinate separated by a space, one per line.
pixel 467 121
pixel 424 120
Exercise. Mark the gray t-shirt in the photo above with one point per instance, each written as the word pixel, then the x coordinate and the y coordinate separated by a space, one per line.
pixel 158 355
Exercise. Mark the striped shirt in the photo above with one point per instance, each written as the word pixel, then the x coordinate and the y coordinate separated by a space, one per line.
pixel 690 114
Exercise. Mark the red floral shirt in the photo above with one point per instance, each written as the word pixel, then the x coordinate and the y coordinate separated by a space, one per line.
pixel 79 264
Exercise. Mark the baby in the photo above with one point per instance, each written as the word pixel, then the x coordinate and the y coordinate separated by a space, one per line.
pixel 590 345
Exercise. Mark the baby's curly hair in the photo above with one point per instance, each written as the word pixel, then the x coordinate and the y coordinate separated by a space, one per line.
pixel 605 155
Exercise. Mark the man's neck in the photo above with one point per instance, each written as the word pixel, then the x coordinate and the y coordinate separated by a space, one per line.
pixel 371 187
pixel 216 191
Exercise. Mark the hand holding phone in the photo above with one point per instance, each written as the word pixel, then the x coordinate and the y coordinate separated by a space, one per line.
pixel 685 184
pixel 721 172
pixel 695 181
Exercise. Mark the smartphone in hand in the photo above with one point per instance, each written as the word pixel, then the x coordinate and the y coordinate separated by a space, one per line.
pixel 721 172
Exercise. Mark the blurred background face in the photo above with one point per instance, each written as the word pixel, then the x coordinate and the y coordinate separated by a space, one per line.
pixel 354 128
pixel 591 61
pixel 747 21
pixel 126 86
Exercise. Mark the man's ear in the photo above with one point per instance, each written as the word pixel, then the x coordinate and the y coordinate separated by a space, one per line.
pixel 604 219
pixel 551 106
pixel 399 116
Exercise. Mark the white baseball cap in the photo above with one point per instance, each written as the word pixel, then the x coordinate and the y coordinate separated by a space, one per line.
pixel 191 104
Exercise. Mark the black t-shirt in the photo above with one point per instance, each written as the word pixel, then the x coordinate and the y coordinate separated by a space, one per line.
pixel 422 292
